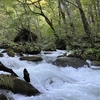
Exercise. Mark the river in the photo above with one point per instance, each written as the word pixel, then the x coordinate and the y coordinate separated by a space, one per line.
pixel 56 83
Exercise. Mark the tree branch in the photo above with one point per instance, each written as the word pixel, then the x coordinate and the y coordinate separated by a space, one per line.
pixel 71 3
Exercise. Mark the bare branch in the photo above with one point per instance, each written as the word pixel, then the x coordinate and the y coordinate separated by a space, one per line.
pixel 71 3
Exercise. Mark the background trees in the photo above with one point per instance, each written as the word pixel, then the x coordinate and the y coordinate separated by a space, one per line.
pixel 62 21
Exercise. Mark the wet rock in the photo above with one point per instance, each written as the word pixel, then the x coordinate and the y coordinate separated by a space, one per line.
pixel 24 88
pixel 17 86
pixel 1 55
pixel 4 68
pixel 26 75
pixel 95 63
pixel 3 97
pixel 31 58
pixel 69 61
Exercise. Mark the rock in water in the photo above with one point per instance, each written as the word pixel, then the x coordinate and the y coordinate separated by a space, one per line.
pixel 26 75
pixel 3 97
pixel 16 85
pixel 69 61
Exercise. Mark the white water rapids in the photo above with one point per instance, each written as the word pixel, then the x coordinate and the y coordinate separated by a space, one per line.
pixel 56 83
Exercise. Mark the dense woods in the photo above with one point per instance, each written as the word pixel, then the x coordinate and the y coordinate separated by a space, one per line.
pixel 56 24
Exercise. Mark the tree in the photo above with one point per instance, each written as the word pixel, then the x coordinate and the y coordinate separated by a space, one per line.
pixel 85 22
pixel 66 5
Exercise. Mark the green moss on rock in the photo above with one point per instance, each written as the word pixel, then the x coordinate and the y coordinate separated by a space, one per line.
pixel 31 58
pixel 17 86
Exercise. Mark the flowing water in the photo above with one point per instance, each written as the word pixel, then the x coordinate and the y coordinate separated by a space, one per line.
pixel 56 83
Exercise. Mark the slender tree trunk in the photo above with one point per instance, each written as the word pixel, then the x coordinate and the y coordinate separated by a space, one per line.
pixel 59 12
pixel 69 16
pixel 98 15
pixel 62 16
pixel 90 16
pixel 85 22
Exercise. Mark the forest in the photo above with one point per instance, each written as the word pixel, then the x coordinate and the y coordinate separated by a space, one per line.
pixel 29 26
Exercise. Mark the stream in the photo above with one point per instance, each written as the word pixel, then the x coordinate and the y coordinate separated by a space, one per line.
pixel 55 83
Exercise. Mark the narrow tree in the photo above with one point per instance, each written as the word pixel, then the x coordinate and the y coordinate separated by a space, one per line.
pixel 85 22
pixel 66 5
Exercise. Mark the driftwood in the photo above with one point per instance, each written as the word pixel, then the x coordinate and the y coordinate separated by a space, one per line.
pixel 3 68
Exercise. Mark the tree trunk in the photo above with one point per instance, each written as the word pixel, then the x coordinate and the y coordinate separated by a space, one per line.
pixel 62 14
pixel 59 13
pixel 98 15
pixel 90 16
pixel 85 22
pixel 69 16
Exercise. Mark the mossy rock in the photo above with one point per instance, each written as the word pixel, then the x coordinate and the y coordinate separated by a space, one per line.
pixel 31 58
pixel 17 86
pixel 10 52
pixel 27 47
pixel 96 63
pixel 30 48
pixel 24 88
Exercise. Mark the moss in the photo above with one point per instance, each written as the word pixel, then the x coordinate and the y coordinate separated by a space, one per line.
pixel 96 63
pixel 11 53
pixel 32 58
pixel 16 85
pixel 6 81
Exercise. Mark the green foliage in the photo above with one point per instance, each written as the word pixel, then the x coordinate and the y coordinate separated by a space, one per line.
pixel 17 14
pixel 49 46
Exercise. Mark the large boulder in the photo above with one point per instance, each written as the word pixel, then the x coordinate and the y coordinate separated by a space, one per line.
pixel 17 86
pixel 69 61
